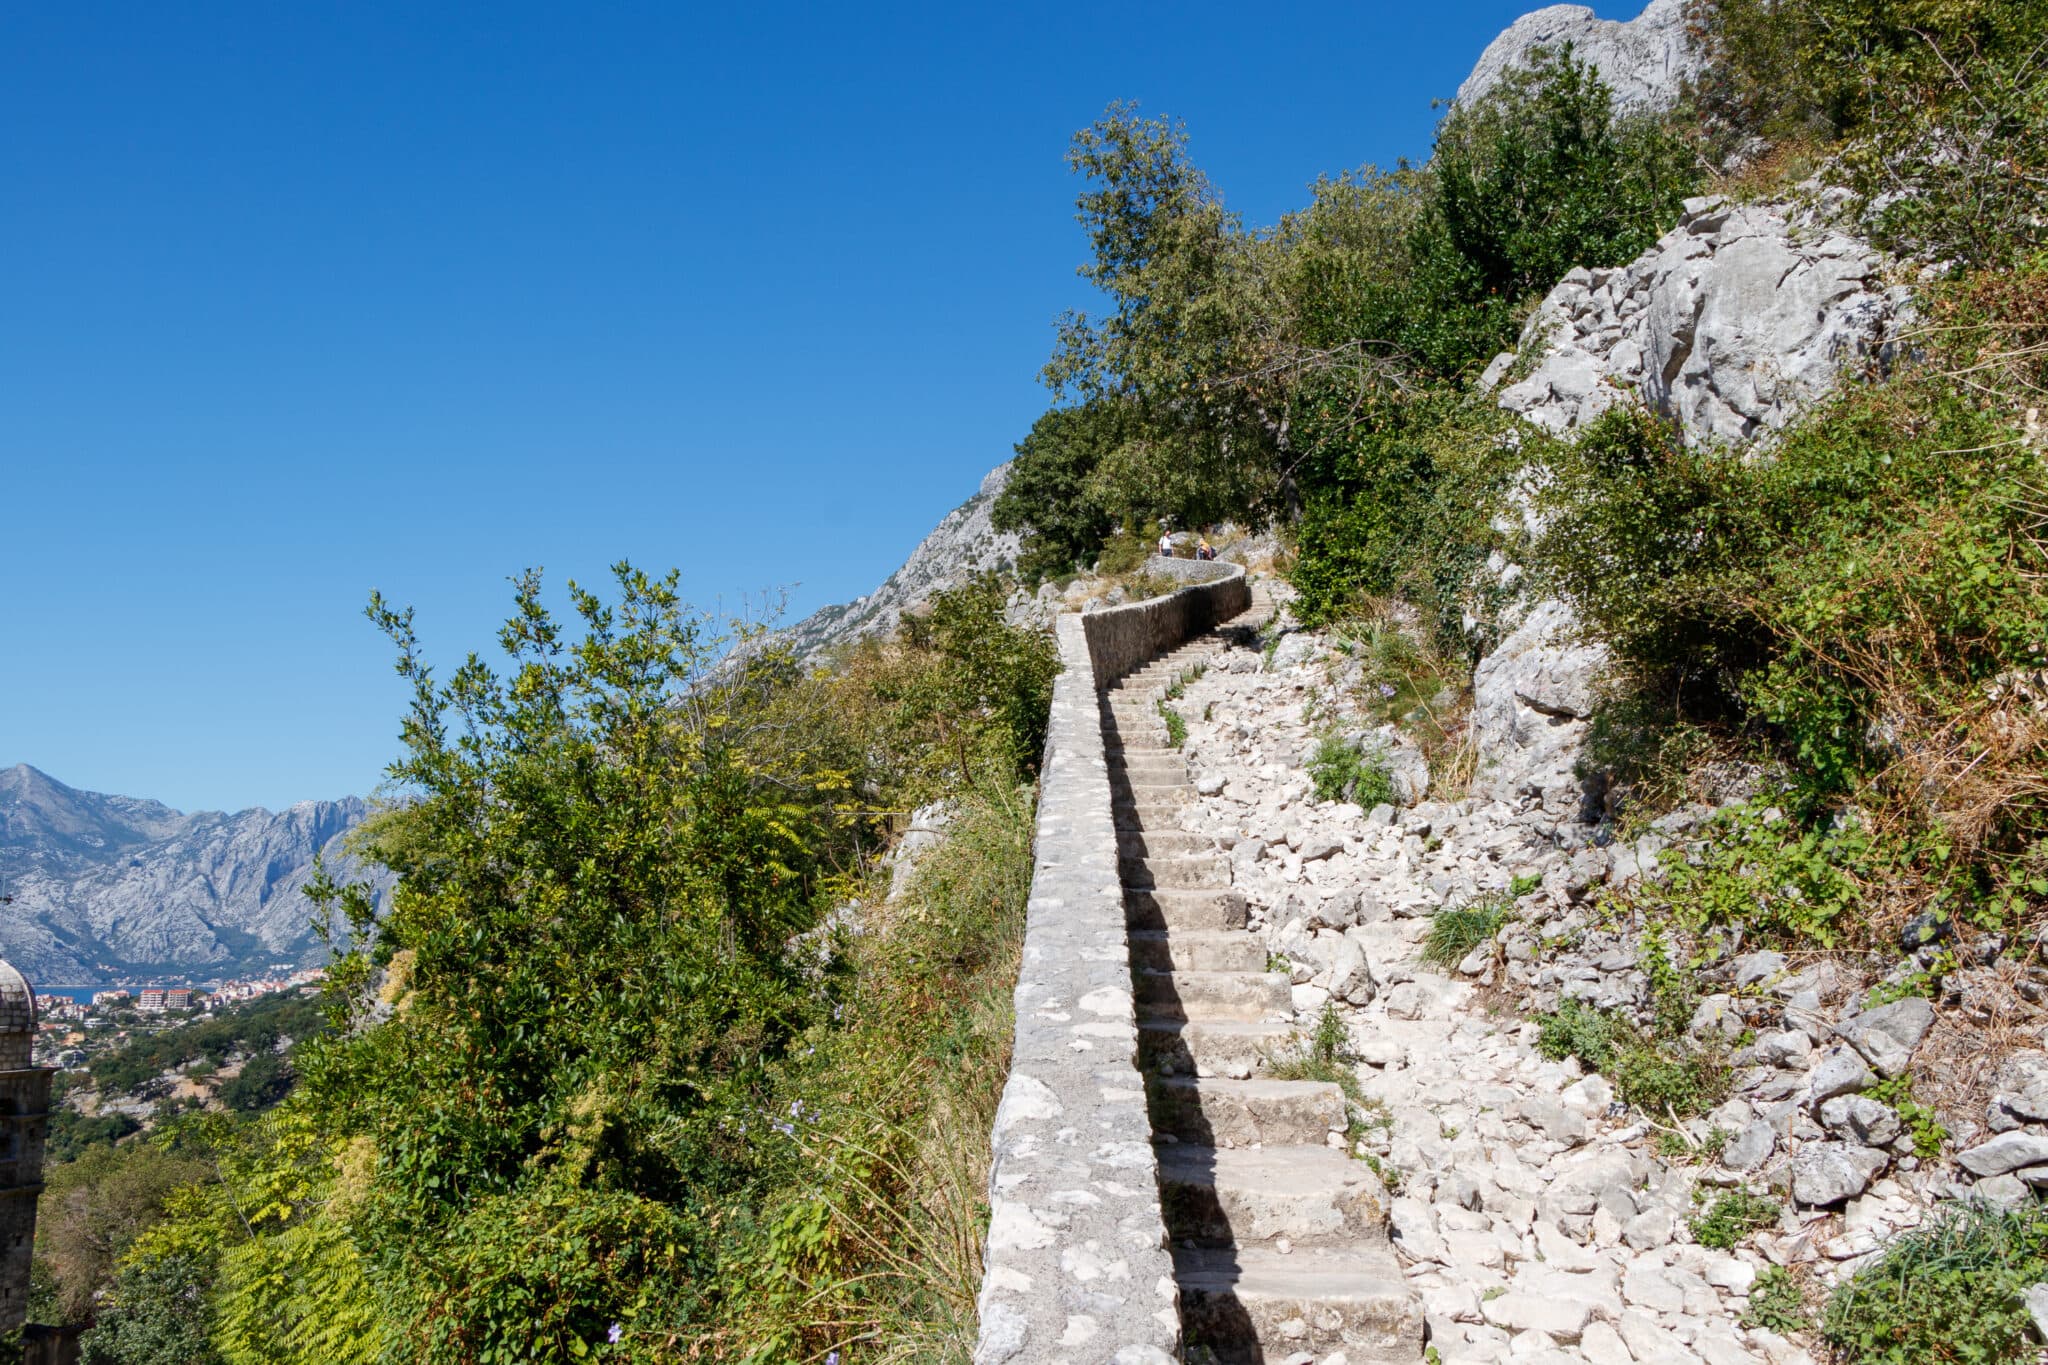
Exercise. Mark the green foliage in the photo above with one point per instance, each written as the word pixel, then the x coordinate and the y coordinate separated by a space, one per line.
pixel 158 1313
pixel 1051 495
pixel 1732 1216
pixel 264 1080
pixel 1522 884
pixel 991 691
pixel 1534 180
pixel 1834 67
pixel 1343 770
pixel 1661 1075
pixel 1176 726
pixel 72 1133
pixel 93 1208
pixel 1951 1290
pixel 1456 932
pixel 1852 603
pixel 1923 1121
pixel 1776 1303
pixel 1399 493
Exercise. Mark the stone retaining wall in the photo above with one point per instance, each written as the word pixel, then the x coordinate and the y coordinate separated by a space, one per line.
pixel 1121 639
pixel 1077 1269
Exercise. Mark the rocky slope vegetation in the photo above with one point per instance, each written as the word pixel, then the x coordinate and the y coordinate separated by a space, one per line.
pixel 111 887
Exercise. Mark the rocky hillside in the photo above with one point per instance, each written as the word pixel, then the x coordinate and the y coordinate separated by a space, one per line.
pixel 112 888
pixel 961 545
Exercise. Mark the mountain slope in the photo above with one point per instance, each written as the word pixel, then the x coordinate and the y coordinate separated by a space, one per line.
pixel 112 887
pixel 963 544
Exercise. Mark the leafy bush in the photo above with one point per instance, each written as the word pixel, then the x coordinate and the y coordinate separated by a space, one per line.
pixel 1834 67
pixel 1863 602
pixel 1732 1216
pixel 1952 1290
pixel 1455 933
pixel 1342 770
pixel 1537 178
pixel 1049 496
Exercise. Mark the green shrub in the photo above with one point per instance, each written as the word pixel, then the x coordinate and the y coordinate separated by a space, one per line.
pixel 1732 1216
pixel 1952 1290
pixel 1923 1121
pixel 1455 933
pixel 1049 495
pixel 1342 770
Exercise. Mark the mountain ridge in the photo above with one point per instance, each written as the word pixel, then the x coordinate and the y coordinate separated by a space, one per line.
pixel 108 887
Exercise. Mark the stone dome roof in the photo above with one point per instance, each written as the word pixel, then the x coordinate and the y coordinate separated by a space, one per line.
pixel 17 1001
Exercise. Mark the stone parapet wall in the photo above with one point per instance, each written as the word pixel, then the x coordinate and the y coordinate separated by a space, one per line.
pixel 1077 1267
pixel 1121 639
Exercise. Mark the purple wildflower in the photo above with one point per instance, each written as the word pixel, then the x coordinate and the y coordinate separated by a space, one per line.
pixel 614 1335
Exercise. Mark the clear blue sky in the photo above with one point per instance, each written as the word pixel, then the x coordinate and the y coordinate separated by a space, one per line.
pixel 299 300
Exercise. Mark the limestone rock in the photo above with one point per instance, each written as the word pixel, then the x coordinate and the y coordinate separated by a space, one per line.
pixel 1645 61
pixel 1730 325
pixel 2005 1153
pixel 1828 1172
pixel 1888 1034
pixel 1532 697
pixel 963 544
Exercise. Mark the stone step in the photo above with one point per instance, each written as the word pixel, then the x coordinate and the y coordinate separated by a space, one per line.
pixel 1212 1047
pixel 1248 996
pixel 1254 1305
pixel 1206 872
pixel 1163 843
pixel 1243 1196
pixel 1217 1112
pixel 1166 767
pixel 1196 950
pixel 1152 816
pixel 1149 907
pixel 1141 786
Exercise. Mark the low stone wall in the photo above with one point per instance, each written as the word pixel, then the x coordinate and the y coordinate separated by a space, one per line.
pixel 1077 1269
pixel 1122 639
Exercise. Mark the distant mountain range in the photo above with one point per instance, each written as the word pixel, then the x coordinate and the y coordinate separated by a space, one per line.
pixel 118 889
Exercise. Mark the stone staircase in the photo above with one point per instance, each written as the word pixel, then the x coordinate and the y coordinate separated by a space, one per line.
pixel 1280 1237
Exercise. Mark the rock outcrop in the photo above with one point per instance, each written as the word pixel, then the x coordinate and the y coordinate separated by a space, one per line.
pixel 1732 324
pixel 962 545
pixel 109 887
pixel 1646 61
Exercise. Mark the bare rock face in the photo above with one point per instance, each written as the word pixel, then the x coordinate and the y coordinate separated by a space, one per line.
pixel 110 887
pixel 1731 325
pixel 962 545
pixel 1532 699
pixel 1645 61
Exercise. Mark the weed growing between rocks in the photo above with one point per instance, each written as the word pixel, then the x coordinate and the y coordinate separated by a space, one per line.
pixel 1455 933
pixel 1325 1055
pixel 1954 1290
pixel 1658 1073
pixel 1345 771
pixel 1176 726
pixel 1776 1303
pixel 1733 1216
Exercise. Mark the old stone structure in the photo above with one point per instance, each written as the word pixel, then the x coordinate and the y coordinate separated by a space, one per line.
pixel 1146 1175
pixel 24 1122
